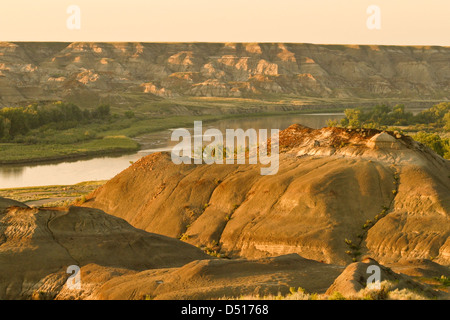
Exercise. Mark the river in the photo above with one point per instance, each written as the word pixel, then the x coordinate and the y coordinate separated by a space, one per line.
pixel 104 168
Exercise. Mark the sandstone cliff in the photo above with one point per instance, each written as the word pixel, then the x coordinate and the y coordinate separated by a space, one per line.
pixel 76 71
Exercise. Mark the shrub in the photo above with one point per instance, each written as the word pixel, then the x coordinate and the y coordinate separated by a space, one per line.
pixel 82 199
pixel 444 280
pixel 432 140
pixel 129 114
pixel 336 296
pixel 184 237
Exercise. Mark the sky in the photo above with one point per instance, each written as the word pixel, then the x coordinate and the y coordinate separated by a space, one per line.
pixel 397 22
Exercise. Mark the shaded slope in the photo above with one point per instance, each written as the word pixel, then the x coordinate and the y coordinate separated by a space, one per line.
pixel 37 242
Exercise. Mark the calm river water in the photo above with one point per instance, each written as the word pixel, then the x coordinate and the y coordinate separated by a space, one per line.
pixel 104 168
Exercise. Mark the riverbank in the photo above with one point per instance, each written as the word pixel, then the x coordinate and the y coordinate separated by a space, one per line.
pixel 51 196
pixel 119 140
pixel 15 153
pixel 106 166
pixel 116 137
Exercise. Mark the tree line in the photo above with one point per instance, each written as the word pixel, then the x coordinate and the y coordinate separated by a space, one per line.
pixel 438 116
pixel 20 120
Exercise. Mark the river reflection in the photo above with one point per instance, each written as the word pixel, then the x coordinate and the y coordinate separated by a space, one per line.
pixel 104 168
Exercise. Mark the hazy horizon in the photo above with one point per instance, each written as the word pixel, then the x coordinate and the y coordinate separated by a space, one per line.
pixel 236 42
pixel 404 23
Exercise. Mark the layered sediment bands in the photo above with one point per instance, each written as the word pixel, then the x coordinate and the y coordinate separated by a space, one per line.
pixel 330 182
pixel 105 71
pixel 118 261
pixel 35 243
pixel 419 225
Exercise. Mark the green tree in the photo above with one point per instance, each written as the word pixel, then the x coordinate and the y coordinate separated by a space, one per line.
pixel 435 114
pixel 352 118
pixel 129 114
pixel 379 114
pixel 17 118
pixel 2 127
pixel 433 141
pixel 102 112
pixel 398 116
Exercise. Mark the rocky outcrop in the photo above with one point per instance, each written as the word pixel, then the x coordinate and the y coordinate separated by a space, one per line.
pixel 338 193
pixel 89 72
pixel 355 279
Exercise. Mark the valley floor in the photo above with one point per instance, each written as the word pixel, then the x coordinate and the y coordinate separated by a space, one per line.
pixel 51 196
pixel 115 135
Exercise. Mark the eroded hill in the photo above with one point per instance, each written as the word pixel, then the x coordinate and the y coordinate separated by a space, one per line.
pixel 35 243
pixel 117 261
pixel 339 194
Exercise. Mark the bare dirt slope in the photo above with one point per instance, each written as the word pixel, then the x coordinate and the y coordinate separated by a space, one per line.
pixel 120 262
pixel 35 243
pixel 95 71
pixel 230 279
pixel 388 196
pixel 208 279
